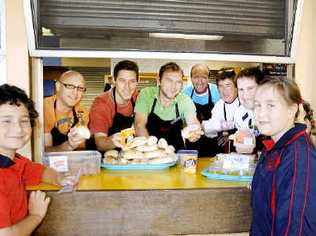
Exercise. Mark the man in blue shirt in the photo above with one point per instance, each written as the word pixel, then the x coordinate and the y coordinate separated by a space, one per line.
pixel 204 95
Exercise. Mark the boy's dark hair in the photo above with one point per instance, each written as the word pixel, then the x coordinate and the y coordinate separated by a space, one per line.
pixel 170 66
pixel 253 73
pixel 125 65
pixel 10 94
pixel 225 73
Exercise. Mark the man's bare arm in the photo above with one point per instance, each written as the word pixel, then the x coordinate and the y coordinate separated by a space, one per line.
pixel 140 124
pixel 103 142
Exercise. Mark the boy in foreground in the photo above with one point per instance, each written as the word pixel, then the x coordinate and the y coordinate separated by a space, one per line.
pixel 18 216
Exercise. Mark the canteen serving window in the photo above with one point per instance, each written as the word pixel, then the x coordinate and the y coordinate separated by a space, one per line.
pixel 198 28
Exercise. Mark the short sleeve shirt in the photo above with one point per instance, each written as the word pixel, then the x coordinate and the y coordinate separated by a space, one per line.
pixel 63 121
pixel 102 112
pixel 202 99
pixel 146 99
pixel 14 176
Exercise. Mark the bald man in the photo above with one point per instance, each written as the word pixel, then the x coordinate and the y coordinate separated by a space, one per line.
pixel 63 111
pixel 204 95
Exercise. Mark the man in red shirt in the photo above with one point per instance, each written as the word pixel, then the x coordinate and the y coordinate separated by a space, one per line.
pixel 17 117
pixel 113 110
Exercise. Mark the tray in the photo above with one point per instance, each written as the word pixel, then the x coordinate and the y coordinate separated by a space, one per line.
pixel 207 174
pixel 138 166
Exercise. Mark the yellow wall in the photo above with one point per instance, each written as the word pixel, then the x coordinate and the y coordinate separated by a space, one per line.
pixel 305 73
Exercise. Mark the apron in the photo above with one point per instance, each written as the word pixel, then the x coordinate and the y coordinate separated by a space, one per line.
pixel 207 147
pixel 58 137
pixel 169 129
pixel 228 146
pixel 120 121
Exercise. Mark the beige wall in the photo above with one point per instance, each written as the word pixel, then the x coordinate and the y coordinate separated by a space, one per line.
pixel 305 67
pixel 17 53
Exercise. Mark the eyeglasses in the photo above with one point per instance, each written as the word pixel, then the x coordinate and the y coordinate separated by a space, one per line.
pixel 72 87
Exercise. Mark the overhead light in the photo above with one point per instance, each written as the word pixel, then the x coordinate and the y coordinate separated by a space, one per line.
pixel 185 36
pixel 47 32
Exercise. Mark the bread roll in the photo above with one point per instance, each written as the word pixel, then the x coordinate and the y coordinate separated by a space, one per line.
pixel 111 153
pixel 155 154
pixel 191 130
pixel 137 141
pixel 132 154
pixel 170 149
pixel 152 140
pixel 147 148
pixel 83 132
pixel 162 143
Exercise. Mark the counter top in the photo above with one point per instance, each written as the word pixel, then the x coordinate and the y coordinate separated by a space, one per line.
pixel 170 178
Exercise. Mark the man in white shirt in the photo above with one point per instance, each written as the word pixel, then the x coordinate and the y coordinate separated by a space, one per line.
pixel 247 82
pixel 224 109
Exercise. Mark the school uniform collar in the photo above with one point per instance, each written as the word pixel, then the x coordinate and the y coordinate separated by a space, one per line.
pixel 5 162
pixel 235 100
pixel 289 137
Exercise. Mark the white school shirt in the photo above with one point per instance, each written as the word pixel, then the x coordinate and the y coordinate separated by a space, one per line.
pixel 221 112
pixel 245 119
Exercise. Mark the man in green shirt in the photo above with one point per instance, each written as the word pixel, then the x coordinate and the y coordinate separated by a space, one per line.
pixel 162 111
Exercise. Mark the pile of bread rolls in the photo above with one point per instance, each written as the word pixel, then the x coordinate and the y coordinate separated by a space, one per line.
pixel 142 150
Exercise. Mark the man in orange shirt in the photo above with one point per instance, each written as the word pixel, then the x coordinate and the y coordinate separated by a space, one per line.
pixel 62 112
pixel 114 110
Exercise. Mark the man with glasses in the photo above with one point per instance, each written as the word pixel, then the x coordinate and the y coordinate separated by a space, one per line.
pixel 62 112
pixel 204 95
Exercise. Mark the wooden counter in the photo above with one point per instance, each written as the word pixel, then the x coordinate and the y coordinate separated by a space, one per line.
pixel 148 203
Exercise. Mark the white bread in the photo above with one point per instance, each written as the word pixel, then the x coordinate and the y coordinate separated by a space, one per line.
pixel 83 131
pixel 137 141
pixel 170 149
pixel 111 153
pixel 132 154
pixel 152 140
pixel 162 143
pixel 147 148
pixel 155 154
pixel 191 130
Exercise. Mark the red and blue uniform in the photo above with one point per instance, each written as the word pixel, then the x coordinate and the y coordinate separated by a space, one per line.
pixel 284 186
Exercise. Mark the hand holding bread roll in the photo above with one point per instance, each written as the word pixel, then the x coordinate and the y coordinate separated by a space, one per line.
pixel 192 132
pixel 244 141
pixel 116 140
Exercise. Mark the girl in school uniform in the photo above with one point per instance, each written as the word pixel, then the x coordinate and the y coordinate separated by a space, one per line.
pixel 283 191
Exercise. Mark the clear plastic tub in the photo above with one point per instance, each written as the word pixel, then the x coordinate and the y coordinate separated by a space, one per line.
pixel 244 148
pixel 88 161
pixel 188 160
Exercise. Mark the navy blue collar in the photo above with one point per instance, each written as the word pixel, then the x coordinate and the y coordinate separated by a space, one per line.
pixel 5 162
pixel 287 138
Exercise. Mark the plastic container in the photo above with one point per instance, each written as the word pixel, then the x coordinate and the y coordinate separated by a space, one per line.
pixel 88 161
pixel 188 160
pixel 244 148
